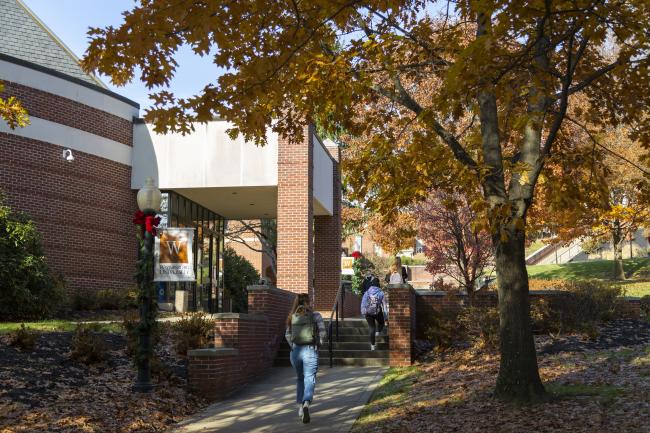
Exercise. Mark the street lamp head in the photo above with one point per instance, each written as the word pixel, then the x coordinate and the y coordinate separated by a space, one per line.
pixel 149 197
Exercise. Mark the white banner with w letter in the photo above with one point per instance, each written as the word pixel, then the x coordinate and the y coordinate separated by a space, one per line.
pixel 173 257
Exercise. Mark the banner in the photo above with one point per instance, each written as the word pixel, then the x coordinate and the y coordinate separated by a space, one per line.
pixel 173 258
pixel 346 265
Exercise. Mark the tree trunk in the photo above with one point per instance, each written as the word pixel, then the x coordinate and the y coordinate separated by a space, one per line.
pixel 518 378
pixel 617 245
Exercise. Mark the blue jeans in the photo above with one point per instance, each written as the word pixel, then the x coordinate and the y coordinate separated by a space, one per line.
pixel 305 361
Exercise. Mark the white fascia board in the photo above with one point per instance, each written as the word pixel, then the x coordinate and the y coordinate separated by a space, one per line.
pixel 72 138
pixel 66 89
pixel 205 158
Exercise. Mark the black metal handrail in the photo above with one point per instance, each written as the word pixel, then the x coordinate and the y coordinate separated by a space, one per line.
pixel 339 303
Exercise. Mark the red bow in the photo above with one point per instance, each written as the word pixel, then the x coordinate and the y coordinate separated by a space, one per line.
pixel 148 223
pixel 356 255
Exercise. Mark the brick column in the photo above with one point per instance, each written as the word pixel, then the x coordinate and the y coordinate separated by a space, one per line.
pixel 295 249
pixel 327 244
pixel 401 328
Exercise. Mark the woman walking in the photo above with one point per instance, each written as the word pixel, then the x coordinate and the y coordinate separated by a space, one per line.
pixel 373 308
pixel 305 333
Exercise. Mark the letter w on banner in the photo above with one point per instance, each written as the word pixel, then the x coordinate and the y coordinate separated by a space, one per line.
pixel 173 255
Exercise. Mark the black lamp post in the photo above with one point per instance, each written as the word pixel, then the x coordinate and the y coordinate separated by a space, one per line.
pixel 149 203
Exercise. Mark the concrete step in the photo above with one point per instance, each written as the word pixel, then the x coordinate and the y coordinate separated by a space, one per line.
pixel 347 345
pixel 352 331
pixel 324 361
pixel 363 353
pixel 360 338
pixel 350 323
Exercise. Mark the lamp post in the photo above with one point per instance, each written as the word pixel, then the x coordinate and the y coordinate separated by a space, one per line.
pixel 149 203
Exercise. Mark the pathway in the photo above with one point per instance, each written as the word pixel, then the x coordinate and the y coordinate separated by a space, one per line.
pixel 268 404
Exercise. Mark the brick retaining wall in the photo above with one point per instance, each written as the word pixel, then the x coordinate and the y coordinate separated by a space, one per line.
pixel 245 344
pixel 401 329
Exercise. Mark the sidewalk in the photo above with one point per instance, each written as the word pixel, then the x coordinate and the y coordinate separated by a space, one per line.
pixel 268 405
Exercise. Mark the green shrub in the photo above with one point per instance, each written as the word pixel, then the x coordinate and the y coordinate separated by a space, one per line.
pixel 476 325
pixel 480 326
pixel 106 299
pixel 28 290
pixel 131 326
pixel 23 338
pixel 441 327
pixel 645 305
pixel 87 346
pixel 238 273
pixel 416 260
pixel 192 331
pixel 580 307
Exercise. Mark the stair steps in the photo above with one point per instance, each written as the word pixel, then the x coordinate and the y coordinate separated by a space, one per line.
pixel 352 349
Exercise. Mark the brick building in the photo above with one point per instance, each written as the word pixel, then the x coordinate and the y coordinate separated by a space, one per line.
pixel 83 205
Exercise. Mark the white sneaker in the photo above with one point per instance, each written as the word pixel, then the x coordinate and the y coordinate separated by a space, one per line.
pixel 372 347
pixel 377 334
pixel 300 412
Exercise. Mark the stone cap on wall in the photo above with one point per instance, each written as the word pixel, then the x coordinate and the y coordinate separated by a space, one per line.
pixel 240 316
pixel 265 288
pixel 214 352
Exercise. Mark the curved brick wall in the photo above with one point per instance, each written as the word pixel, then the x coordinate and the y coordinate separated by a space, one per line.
pixel 83 209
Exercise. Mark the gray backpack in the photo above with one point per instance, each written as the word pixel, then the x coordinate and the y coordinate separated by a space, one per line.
pixel 302 329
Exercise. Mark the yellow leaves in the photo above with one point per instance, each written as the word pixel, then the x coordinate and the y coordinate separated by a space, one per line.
pixel 12 111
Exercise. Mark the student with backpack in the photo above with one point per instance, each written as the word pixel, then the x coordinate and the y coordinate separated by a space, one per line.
pixel 373 308
pixel 305 333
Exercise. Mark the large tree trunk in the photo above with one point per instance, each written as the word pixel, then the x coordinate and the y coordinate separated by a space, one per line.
pixel 518 378
pixel 617 246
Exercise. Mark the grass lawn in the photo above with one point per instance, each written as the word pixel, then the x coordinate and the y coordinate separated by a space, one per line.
pixel 599 269
pixel 58 326
pixel 637 270
pixel 536 245
pixel 601 391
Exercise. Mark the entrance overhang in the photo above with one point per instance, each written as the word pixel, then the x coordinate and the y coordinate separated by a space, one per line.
pixel 232 177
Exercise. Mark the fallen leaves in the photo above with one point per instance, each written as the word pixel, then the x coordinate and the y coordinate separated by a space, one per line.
pixel 45 390
pixel 602 391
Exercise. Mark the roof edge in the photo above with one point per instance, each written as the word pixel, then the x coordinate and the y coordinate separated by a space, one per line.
pixel 66 77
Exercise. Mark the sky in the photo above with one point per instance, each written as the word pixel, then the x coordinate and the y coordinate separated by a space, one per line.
pixel 70 19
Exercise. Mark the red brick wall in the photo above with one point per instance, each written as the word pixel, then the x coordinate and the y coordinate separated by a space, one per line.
pixel 295 260
pixel 401 329
pixel 429 302
pixel 254 338
pixel 327 245
pixel 83 210
pixel 71 113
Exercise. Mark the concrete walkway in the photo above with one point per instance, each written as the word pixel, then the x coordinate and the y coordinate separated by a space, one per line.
pixel 269 405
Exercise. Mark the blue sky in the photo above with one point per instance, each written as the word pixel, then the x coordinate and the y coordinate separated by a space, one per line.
pixel 70 19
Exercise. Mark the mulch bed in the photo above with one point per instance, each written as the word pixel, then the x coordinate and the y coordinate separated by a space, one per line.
pixel 45 390
pixel 617 333
pixel 598 385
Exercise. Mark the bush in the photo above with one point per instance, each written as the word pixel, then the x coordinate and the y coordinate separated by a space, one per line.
pixel 480 325
pixel 381 265
pixel 23 338
pixel 537 284
pixel 192 331
pixel 440 284
pixel 106 299
pixel 131 326
pixel 644 303
pixel 87 346
pixel 28 290
pixel 440 327
pixel 416 260
pixel 238 273
pixel 580 307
